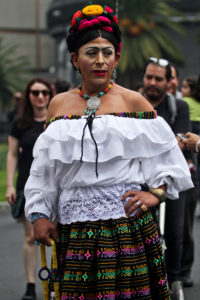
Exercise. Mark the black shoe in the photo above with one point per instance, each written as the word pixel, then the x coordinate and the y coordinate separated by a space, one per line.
pixel 30 292
pixel 187 282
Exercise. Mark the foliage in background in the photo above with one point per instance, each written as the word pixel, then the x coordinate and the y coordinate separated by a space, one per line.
pixel 3 155
pixel 143 25
pixel 13 69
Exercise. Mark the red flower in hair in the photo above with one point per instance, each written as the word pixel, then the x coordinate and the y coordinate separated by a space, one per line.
pixel 78 15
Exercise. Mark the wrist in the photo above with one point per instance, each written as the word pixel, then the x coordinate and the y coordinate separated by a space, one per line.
pixel 37 216
pixel 197 146
pixel 159 193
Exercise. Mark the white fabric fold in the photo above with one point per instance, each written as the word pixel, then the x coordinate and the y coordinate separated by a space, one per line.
pixel 131 152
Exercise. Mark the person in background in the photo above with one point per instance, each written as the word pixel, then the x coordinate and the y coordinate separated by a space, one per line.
pixel 174 82
pixel 192 142
pixel 191 94
pixel 23 134
pixel 16 101
pixel 88 169
pixel 156 80
pixel 60 86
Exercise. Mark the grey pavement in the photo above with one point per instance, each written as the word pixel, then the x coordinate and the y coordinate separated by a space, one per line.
pixel 12 278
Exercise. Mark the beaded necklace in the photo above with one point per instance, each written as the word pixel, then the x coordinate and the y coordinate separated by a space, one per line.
pixel 93 102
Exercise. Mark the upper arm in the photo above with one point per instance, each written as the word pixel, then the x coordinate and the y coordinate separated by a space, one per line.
pixel 51 109
pixel 13 145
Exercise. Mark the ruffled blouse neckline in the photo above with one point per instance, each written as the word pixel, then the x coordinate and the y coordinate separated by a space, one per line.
pixel 137 115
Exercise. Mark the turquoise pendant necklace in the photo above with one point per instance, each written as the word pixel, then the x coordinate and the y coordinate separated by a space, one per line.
pixel 93 102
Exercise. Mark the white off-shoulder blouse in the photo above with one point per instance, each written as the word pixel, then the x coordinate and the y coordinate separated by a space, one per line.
pixel 130 150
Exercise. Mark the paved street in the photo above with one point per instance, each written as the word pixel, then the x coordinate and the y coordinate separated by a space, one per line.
pixel 12 279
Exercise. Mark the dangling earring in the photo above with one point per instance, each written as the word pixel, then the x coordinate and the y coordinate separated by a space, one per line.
pixel 78 74
pixel 114 74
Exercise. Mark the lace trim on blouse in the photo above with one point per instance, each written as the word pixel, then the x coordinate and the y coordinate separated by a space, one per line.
pixel 94 203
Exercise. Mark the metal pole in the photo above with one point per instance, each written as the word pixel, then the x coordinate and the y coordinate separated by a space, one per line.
pixel 37 34
pixel 117 7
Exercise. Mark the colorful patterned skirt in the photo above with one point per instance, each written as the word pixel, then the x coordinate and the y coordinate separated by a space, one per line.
pixel 112 259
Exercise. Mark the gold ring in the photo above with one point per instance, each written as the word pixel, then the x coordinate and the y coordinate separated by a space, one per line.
pixel 143 207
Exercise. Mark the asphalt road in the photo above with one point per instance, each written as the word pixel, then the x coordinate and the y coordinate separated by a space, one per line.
pixel 12 278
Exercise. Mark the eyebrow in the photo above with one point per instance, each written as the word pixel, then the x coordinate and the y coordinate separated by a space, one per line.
pixel 97 48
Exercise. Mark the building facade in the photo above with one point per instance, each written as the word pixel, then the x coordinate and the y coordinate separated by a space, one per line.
pixel 23 23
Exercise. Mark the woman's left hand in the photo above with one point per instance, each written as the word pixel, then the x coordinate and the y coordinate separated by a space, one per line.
pixel 138 199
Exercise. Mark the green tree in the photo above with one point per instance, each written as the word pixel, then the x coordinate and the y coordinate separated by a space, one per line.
pixel 143 24
pixel 13 69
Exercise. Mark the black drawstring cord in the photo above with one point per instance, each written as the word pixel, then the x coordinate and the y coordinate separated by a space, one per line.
pixel 89 122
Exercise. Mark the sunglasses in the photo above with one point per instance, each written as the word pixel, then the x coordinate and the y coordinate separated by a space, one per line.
pixel 160 61
pixel 37 92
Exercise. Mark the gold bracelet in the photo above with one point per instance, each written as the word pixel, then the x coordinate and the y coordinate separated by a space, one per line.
pixel 159 193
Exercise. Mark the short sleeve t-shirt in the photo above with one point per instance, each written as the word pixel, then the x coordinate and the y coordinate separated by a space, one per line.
pixel 27 138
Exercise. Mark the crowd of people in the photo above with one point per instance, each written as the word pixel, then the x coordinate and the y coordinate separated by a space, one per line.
pixel 94 178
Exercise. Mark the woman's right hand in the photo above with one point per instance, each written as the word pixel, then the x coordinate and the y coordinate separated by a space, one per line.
pixel 11 195
pixel 44 230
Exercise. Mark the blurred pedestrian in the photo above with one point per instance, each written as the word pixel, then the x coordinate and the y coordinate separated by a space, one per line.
pixel 16 101
pixel 60 86
pixel 23 134
pixel 176 113
pixel 174 82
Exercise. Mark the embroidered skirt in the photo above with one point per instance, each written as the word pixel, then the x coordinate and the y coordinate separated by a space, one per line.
pixel 112 259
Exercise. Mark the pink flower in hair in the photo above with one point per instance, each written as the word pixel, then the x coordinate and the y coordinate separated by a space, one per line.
pixel 104 19
pixel 115 19
pixel 107 28
pixel 108 9
pixel 85 24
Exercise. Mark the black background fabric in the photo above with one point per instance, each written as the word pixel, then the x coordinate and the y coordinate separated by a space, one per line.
pixel 182 121
pixel 27 138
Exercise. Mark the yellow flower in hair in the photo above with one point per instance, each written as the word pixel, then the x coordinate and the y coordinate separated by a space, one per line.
pixel 92 10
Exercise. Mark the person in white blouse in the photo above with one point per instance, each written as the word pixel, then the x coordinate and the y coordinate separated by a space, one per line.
pixel 101 144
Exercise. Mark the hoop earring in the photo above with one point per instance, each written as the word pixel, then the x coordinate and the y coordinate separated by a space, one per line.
pixel 114 74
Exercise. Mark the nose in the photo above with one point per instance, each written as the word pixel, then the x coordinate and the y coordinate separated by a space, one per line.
pixel 152 81
pixel 40 95
pixel 100 58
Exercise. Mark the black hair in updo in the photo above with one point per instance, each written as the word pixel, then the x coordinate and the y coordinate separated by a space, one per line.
pixel 78 37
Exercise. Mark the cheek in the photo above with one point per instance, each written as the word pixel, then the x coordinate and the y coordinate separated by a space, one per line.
pixel 85 64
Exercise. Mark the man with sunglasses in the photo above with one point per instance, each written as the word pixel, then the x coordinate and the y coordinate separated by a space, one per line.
pixel 156 79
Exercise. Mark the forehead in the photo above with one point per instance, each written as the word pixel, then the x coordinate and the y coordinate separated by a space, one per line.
pixel 98 42
pixel 38 85
pixel 156 71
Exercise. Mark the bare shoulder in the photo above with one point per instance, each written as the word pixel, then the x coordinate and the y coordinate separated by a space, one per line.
pixel 135 100
pixel 59 102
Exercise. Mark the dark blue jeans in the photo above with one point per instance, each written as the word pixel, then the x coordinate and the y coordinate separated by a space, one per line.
pixel 188 243
pixel 174 235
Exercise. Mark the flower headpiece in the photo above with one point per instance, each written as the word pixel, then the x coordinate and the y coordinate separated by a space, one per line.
pixel 94 17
